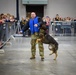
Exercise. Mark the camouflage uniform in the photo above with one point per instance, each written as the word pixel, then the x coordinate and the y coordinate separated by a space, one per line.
pixel 34 37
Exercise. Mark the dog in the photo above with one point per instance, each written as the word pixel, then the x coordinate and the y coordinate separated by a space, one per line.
pixel 47 39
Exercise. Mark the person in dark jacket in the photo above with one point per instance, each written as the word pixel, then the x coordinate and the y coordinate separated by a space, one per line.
pixel 34 25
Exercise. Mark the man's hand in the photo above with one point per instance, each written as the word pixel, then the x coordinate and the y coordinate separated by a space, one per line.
pixel 20 32
pixel 36 25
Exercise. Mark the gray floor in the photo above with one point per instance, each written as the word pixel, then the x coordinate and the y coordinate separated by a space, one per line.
pixel 15 60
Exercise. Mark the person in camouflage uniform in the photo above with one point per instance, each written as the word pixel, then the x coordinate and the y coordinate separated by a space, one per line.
pixel 34 25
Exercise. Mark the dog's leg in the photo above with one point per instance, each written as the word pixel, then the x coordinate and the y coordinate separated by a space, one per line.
pixel 55 56
pixel 37 41
pixel 51 53
pixel 51 49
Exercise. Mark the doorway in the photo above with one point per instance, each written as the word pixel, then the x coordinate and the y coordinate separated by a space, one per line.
pixel 39 9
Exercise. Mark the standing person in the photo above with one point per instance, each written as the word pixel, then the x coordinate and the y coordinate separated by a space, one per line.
pixel 47 19
pixel 0 32
pixel 23 22
pixel 34 24
pixel 1 23
pixel 57 18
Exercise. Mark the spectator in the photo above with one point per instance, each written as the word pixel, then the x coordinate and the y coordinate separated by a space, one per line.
pixel 47 19
pixel 0 30
pixel 23 22
pixel 68 19
pixel 43 19
pixel 12 19
pixel 57 18
pixel 74 19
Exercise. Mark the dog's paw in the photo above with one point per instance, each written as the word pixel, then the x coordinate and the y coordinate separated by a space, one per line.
pixel 54 59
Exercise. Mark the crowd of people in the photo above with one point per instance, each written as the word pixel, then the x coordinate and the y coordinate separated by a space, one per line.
pixel 11 18
pixel 48 20
pixel 58 18
pixel 6 18
pixel 3 19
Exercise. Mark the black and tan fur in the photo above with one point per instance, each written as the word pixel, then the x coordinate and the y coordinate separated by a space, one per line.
pixel 47 39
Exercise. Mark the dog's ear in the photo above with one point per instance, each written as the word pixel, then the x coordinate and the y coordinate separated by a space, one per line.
pixel 44 27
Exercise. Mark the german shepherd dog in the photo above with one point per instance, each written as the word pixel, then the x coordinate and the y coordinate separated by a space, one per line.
pixel 47 39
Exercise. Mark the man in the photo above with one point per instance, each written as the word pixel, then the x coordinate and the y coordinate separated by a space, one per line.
pixel 0 33
pixel 34 25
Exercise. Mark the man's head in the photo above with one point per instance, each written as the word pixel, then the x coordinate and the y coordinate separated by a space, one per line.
pixel 33 15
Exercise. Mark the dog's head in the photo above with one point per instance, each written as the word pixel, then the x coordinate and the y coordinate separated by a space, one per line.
pixel 43 26
pixel 42 30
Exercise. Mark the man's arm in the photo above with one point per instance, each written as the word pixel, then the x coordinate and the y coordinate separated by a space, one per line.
pixel 26 27
pixel 39 22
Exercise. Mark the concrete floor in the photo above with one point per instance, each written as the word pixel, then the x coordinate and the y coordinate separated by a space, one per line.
pixel 15 60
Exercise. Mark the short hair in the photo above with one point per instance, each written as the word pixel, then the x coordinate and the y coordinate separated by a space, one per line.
pixel 33 12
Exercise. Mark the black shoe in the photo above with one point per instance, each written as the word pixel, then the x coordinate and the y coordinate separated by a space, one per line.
pixel 42 59
pixel 32 58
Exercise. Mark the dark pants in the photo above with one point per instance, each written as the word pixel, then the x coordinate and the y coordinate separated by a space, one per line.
pixel 0 32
